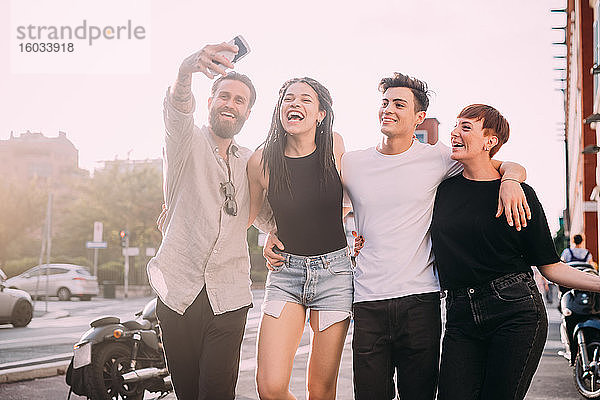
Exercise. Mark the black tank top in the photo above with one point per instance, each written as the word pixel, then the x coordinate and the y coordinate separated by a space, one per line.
pixel 309 221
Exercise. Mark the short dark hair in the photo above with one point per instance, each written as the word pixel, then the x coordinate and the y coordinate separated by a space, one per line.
pixel 235 76
pixel 492 121
pixel 577 239
pixel 419 88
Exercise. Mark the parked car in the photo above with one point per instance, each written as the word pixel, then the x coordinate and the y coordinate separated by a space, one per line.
pixel 15 305
pixel 63 280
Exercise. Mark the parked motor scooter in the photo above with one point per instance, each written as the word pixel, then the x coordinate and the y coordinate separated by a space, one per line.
pixel 120 360
pixel 580 333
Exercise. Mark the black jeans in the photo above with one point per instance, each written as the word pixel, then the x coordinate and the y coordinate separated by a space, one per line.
pixel 494 339
pixel 399 335
pixel 202 349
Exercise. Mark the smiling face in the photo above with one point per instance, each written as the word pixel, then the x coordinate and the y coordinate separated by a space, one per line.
pixel 229 108
pixel 299 112
pixel 469 140
pixel 397 115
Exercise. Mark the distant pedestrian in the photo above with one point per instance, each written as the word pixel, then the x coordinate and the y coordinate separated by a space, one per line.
pixel 577 253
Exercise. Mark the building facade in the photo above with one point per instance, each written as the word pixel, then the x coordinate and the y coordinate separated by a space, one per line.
pixel 31 155
pixel 427 132
pixel 578 57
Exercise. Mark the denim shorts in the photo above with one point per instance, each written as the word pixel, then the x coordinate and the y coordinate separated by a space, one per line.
pixel 321 283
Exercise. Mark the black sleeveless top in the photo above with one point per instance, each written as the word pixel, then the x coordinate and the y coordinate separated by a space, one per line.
pixel 309 221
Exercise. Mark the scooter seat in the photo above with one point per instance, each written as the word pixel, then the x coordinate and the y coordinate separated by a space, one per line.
pixel 104 321
pixel 135 325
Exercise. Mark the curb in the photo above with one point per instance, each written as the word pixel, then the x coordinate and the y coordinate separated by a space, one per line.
pixel 34 372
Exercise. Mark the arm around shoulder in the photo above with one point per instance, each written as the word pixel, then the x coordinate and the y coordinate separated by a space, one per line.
pixel 257 182
pixel 510 170
pixel 511 198
pixel 338 149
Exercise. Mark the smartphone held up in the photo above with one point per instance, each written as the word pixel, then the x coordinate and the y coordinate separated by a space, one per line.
pixel 243 49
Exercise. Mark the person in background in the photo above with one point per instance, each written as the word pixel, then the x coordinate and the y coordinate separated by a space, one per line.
pixel 576 253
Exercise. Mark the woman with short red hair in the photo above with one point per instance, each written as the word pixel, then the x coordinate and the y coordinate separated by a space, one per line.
pixel 496 323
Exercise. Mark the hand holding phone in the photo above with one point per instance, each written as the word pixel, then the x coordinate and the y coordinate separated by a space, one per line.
pixel 213 60
pixel 243 49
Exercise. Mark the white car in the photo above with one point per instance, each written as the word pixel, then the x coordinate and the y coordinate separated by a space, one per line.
pixel 15 305
pixel 62 280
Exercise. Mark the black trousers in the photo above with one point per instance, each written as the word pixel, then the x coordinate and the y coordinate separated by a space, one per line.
pixel 202 349
pixel 400 335
pixel 494 339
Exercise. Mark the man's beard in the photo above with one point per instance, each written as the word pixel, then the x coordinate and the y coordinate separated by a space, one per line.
pixel 225 129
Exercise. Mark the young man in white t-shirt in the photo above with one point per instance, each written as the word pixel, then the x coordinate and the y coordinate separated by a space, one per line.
pixel 392 187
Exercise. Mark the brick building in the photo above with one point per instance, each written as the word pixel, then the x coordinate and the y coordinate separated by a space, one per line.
pixel 427 132
pixel 577 57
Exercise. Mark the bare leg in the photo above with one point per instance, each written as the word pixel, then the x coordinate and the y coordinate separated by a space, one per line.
pixel 326 353
pixel 278 341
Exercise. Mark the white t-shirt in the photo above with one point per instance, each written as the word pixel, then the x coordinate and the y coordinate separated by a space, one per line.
pixel 392 197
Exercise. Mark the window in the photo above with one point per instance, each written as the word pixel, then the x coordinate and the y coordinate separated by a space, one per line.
pixel 40 169
pixel 34 272
pixel 82 271
pixel 421 135
pixel 57 271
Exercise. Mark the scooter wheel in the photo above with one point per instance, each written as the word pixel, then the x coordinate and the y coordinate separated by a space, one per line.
pixel 588 382
pixel 109 362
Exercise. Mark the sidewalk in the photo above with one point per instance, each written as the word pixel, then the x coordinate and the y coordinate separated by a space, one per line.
pixel 246 389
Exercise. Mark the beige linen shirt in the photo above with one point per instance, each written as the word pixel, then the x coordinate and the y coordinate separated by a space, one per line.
pixel 202 245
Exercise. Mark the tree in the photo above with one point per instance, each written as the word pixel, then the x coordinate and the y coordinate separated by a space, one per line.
pixel 121 198
pixel 22 217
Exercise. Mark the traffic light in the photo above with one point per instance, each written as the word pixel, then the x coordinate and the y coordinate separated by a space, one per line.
pixel 124 238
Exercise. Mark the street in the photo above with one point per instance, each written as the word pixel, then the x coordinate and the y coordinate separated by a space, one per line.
pixel 55 333
pixel 46 337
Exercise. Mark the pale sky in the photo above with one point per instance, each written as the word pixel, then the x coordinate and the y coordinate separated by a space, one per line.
pixel 468 51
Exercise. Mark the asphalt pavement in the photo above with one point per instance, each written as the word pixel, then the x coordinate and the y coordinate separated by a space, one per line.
pixel 553 379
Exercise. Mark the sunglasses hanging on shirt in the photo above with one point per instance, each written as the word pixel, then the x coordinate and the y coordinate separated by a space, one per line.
pixel 230 205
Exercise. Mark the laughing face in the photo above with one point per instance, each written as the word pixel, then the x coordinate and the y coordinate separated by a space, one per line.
pixel 397 114
pixel 229 108
pixel 469 140
pixel 299 112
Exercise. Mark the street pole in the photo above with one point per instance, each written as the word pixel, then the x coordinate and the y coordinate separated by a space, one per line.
pixel 48 246
pixel 96 262
pixel 126 274
pixel 40 261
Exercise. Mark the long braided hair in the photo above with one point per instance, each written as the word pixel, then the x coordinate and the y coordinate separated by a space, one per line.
pixel 273 156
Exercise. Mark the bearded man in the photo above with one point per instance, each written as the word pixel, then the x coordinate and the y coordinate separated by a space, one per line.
pixel 201 270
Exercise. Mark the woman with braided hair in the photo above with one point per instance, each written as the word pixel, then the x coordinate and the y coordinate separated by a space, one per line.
pixel 297 171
